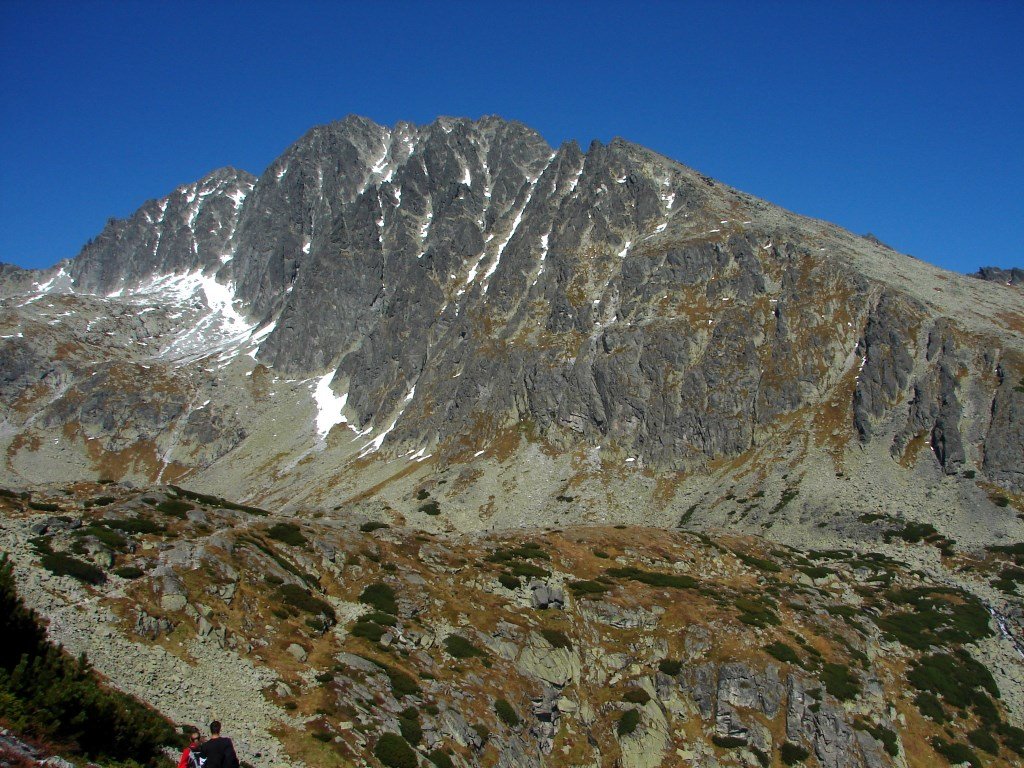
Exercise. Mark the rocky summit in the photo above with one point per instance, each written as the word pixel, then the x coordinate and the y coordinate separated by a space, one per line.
pixel 496 348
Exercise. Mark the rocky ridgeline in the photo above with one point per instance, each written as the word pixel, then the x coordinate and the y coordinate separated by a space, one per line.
pixel 325 643
pixel 434 289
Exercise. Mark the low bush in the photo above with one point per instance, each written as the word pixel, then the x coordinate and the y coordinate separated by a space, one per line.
pixel 431 508
pixel 783 652
pixel 136 525
pixel 63 564
pixel 653 578
pixel 381 597
pixel 129 572
pixel 44 506
pixel 529 571
pixel 287 533
pixel 372 525
pixel 839 681
pixel 958 679
pixel 440 759
pixel 379 617
pixel 956 752
pixel 792 754
pixel 762 564
pixel 175 508
pixel 459 647
pixel 587 588
pixel 628 722
pixel 983 739
pixel 297 597
pixel 929 705
pixel 887 736
pixel 636 696
pixel 755 613
pixel 670 667
pixel 394 751
pixel 556 638
pixel 508 581
pixel 507 713
pixel 728 742
pixel 410 729
pixel 368 630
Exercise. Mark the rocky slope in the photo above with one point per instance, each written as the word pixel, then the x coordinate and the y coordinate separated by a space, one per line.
pixel 583 646
pixel 459 302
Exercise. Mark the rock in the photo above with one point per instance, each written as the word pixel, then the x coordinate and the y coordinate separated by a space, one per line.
pixel 647 745
pixel 557 666
pixel 173 602
pixel 298 652
pixel 543 596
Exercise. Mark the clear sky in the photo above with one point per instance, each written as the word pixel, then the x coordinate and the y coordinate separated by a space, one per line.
pixel 903 119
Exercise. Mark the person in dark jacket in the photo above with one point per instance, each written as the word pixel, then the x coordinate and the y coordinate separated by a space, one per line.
pixel 218 750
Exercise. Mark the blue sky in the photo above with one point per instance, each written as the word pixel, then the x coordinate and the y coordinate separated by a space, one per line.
pixel 904 119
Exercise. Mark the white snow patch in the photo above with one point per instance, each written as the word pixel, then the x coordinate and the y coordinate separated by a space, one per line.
pixel 479 453
pixel 625 249
pixel 329 406
pixel 467 179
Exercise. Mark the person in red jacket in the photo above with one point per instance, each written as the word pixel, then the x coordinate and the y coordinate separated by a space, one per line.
pixel 194 740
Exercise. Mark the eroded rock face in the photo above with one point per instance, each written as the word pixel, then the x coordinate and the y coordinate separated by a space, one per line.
pixel 454 280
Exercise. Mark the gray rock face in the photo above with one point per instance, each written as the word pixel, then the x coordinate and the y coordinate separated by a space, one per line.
pixel 1011 276
pixel 189 229
pixel 456 279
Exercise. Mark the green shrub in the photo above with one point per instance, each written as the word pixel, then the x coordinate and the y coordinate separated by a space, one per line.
pixel 529 570
pixel 760 563
pixel 297 597
pixel 402 684
pixel 885 735
pixel 410 729
pixel 508 581
pixel 783 652
pixel 955 752
pixel 507 713
pixel 983 739
pixel 394 751
pixel 104 535
pixel 636 696
pixel 654 579
pixel 129 572
pixel 367 630
pixel 440 759
pixel 587 588
pixel 431 508
pixel 174 507
pixel 482 731
pixel 601 553
pixel 136 525
pixel 62 564
pixel 929 705
pixel 372 525
pixel 381 597
pixel 792 754
pixel 1013 737
pixel 628 722
pixel 839 681
pixel 459 647
pixel 958 679
pixel 556 638
pixel 287 533
pixel 670 667
pixel 528 551
pixel 729 742
pixel 44 506
pixel 754 613
pixel 379 617
pixel 422 494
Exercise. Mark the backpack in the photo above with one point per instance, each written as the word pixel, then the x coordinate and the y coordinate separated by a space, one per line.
pixel 196 759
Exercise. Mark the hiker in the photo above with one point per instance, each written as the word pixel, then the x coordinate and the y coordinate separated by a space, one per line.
pixel 190 755
pixel 218 750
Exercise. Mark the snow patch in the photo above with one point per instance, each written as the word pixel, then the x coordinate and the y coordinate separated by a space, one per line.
pixel 329 407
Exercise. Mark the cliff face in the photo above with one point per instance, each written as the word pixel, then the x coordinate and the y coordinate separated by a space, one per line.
pixel 464 292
